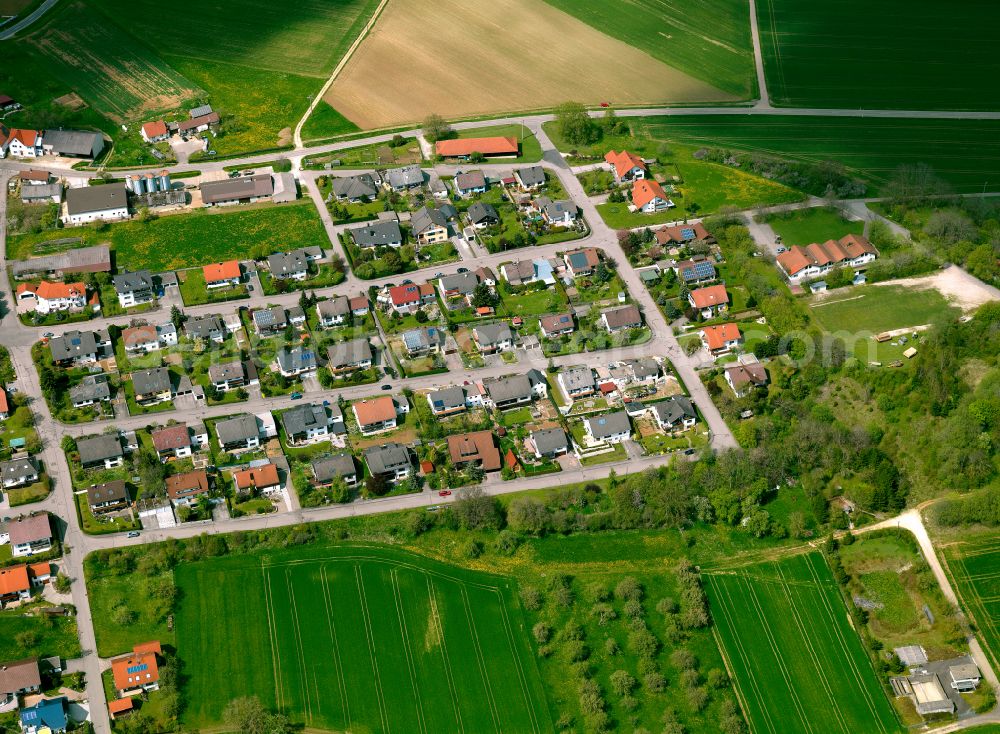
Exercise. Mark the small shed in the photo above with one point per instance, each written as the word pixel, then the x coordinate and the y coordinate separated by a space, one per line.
pixel 910 353
pixel 818 287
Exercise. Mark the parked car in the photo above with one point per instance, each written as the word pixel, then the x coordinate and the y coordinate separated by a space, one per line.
pixel 387 387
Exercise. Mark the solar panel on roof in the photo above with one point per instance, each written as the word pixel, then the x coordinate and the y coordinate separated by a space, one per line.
pixel 687 233
pixel 133 669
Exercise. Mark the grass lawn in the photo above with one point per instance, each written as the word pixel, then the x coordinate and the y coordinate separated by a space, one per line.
pixel 879 308
pixel 191 239
pixel 516 417
pixel 94 526
pixel 349 638
pixel 805 667
pixel 972 566
pixel 618 454
pixel 535 303
pixel 531 149
pixel 375 154
pixel 326 122
pixel 818 224
pixel 45 636
pixel 32 493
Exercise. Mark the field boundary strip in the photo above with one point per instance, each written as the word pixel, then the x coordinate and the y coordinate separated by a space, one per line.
pixel 446 659
pixel 337 661
pixel 720 588
pixel 370 639
pixel 297 629
pixel 521 677
pixel 474 633
pixel 273 635
pixel 408 653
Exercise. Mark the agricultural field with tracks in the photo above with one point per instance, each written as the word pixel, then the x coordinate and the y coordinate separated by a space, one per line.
pixel 975 569
pixel 803 669
pixel 896 54
pixel 359 639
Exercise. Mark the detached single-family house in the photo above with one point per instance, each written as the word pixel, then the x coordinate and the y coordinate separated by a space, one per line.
pixel 582 262
pixel 482 215
pixel 238 433
pixel 154 132
pixel 492 338
pixel 306 424
pixel 676 413
pixel 561 213
pixel 964 676
pixel 695 270
pixel 746 375
pixel 710 301
pixel 292 265
pixel 609 428
pixel 30 534
pixel 140 340
pixel 424 340
pixel 261 479
pixel 138 671
pixel 18 678
pixel 683 234
pixel 20 143
pixel 478 447
pixel 648 197
pixel 333 312
pixel 470 182
pixel 458 285
pixel 270 321
pixel 577 382
pixel 722 338
pixel 620 318
pixel 222 275
pixel 208 328
pixel 185 489
pixel 327 469
pixel 429 226
pixel 91 389
pixel 522 272
pixel 49 297
pixel 348 356
pixel 514 391
pixel 626 166
pixel 296 361
pixel 447 401
pixel 173 442
pixel 355 188
pixel 15 585
pixel 151 386
pixel 18 472
pixel 403 179
pixel 79 347
pixel 391 460
pixel 549 443
pixel 46 716
pixel 530 178
pixel 802 263
pixel 385 233
pixel 410 297
pixel 108 497
pixel 233 375
pixel 375 415
pixel 93 203
pixel 556 325
pixel 134 289
pixel 101 451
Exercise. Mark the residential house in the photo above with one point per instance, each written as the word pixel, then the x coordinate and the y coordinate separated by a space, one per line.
pixel 79 347
pixel 46 716
pixel 154 132
pixel 514 391
pixel 385 233
pixel 648 197
pixel 411 297
pixel 964 676
pixel 137 672
pixel 471 182
pixel 626 166
pixel 292 265
pixel 270 321
pixel 695 270
pixel 608 428
pixel 582 262
pixel 238 433
pixel 491 147
pixel 151 386
pixel 722 338
pixel 482 215
pixel 421 341
pixel 101 451
pixel 233 375
pixel 676 413
pixel 683 234
pixel 710 301
pixel 30 534
pixel 222 275
pixel 561 213
pixel 390 460
pixel 577 382
pixel 134 289
pixel 49 297
pixel 108 497
pixel 306 424
pixel 447 401
pixel 18 472
pixel 403 179
pixel 18 678
pixel 746 375
pixel 355 189
pixel 556 325
pixel 140 340
pixel 257 480
pixel 458 286
pixel 15 585
pixel 801 263
pixel 549 443
pixel 375 415
pixel 242 190
pixel 186 489
pixel 429 226
pixel 334 311
pixel 92 389
pixel 492 338
pixel 32 177
pixel 348 356
pixel 327 469
pixel 20 143
pixel 96 203
pixel 478 447
pixel 359 304
pixel 207 328
pixel 530 178
pixel 4 404
pixel 296 361
pixel 173 442
pixel 620 318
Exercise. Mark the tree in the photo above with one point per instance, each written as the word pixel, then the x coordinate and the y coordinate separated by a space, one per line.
pixel 177 317
pixel 528 515
pixel 435 128
pixel 62 583
pixel 151 472
pixel 476 510
pixel 483 295
pixel 420 316
pixel 575 125
pixel 248 716
pixel 622 683
pixel 377 485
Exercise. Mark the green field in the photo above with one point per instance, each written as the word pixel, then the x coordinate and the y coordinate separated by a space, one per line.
pixel 709 39
pixel 895 54
pixel 818 224
pixel 799 665
pixel 881 308
pixel 973 568
pixel 24 636
pixel 360 639
pixel 195 238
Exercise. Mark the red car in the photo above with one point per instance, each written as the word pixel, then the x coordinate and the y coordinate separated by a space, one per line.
pixel 444 493
pixel 605 104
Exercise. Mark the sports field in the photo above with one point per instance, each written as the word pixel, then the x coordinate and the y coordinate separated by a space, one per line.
pixel 975 569
pixel 798 664
pixel 357 639
pixel 878 308
pixel 893 54
pixel 460 59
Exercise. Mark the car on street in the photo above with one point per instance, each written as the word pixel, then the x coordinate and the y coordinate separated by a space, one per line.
pixel 295 396
pixel 444 493
pixel 48 335
pixel 688 452
pixel 463 270
pixel 134 534
pixel 387 387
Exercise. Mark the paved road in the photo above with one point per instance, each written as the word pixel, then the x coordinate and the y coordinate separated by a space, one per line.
pixel 27 21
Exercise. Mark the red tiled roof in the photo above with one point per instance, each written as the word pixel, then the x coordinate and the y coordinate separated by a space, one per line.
pixel 42 568
pixel 468 146
pixel 187 484
pixel 645 191
pixel 831 252
pixel 742 374
pixel 403 295
pixel 155 129
pixel 717 336
pixel 714 295
pixel 48 291
pixel 221 271
pixel 359 302
pixel 126 680
pixel 257 477
pixel 623 162
pixel 4 403
pixel 171 438
pixel 139 335
pixel 28 137
pixel 120 705
pixel 14 580
pixel 476 446
pixel 151 646
pixel 676 234
pixel 34 175
pixel 375 410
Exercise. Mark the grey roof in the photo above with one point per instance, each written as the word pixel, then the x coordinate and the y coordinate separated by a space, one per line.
pixel 377 234
pixel 422 338
pixel 96 198
pixel 22 675
pixel 963 671
pixel 426 218
pixel 41 191
pixel 18 470
pixel 354 187
pixel 470 180
pixel 73 142
pixel 405 176
pixel 200 111
pixel 284 263
pixel 518 271
pixel 448 211
pixel 387 457
pixel 237 429
pixel 204 327
pixel 479 212
pixel 549 440
pixel 73 344
pixel 577 377
pixel 328 468
pixel 107 492
pixel 674 409
pixel 302 418
pixel 81 259
pixel 295 313
pixel 226 371
pixel 447 398
pixel 644 368
pixel 151 381
pixel 512 387
pixel 351 352
pixel 270 318
pixel 464 283
pixel 611 424
pixel 911 655
pixel 129 282
pixel 92 387
pixel 622 316
pixel 556 209
pixel 296 359
pixel 231 189
pixel 336 306
pixel 98 448
pixel 493 333
pixel 531 176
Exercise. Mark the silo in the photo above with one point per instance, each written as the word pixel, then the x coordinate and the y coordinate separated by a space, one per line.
pixel 150 183
pixel 134 184
pixel 164 180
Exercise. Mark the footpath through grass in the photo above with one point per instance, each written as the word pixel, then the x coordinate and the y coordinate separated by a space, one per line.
pixel 803 668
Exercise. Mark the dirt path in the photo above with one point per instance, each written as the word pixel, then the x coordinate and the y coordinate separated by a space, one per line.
pixel 964 290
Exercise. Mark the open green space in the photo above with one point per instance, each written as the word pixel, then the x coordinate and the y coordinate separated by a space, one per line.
pixel 357 638
pixel 326 122
pixel 705 38
pixel 818 224
pixel 804 668
pixel 896 54
pixel 973 568
pixel 191 239
pixel 35 636
pixel 881 308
